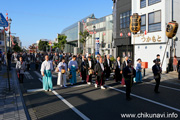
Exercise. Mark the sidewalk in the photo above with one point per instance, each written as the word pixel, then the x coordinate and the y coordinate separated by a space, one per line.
pixel 11 106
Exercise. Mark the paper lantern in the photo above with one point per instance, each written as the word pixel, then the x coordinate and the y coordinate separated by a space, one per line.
pixel 171 29
pixel 135 23
pixel 121 34
pixel 129 34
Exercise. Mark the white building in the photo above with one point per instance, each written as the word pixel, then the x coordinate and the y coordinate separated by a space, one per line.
pixel 155 15
pixel 103 31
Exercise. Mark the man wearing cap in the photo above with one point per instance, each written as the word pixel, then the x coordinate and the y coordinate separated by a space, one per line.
pixel 157 74
pixel 129 73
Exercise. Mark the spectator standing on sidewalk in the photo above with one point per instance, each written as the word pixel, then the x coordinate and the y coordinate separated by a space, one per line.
pixel 21 67
pixel 175 62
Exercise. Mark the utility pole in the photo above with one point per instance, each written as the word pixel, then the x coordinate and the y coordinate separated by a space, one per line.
pixel 5 45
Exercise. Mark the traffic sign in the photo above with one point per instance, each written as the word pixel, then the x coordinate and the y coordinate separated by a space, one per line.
pixel 97 46
pixel 3 22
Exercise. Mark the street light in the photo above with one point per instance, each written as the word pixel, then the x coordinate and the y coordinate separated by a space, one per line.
pixel 9 21
pixel 94 28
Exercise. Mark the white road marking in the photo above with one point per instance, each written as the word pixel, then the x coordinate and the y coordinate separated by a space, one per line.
pixel 28 75
pixel 66 102
pixel 162 86
pixel 152 101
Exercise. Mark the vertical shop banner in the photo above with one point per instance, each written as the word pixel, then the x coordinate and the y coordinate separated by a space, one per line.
pixel 97 46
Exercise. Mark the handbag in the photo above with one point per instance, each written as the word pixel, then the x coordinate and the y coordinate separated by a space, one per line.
pixel 63 71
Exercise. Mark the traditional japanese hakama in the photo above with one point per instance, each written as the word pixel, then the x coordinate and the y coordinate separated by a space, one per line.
pixel 83 70
pixel 47 67
pixel 62 76
pixel 73 66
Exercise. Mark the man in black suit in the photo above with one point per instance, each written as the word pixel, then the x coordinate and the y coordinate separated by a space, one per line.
pixel 89 66
pixel 118 70
pixel 107 67
pixel 129 73
pixel 83 68
pixel 178 68
pixel 125 63
pixel 99 71
pixel 157 75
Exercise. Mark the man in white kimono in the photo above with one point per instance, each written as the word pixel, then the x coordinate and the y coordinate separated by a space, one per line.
pixel 62 76
pixel 46 71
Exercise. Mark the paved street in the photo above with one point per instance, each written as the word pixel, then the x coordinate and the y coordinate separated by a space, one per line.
pixel 87 102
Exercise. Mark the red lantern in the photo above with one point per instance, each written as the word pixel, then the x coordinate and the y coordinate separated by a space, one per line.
pixel 129 34
pixel 85 26
pixel 82 20
pixel 104 34
pixel 6 29
pixel 121 34
pixel 6 13
pixel 145 32
pixel 7 18
pixel 95 32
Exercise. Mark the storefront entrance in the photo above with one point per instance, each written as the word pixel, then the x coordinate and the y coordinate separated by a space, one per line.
pixel 125 50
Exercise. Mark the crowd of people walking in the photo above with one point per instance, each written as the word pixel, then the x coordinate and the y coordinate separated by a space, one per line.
pixel 69 66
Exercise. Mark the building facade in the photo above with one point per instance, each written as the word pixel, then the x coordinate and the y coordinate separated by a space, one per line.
pixel 155 14
pixel 103 29
pixel 121 31
pixel 73 38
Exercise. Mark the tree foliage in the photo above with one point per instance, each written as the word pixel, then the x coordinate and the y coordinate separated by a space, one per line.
pixel 84 35
pixel 61 42
pixel 42 45
pixel 16 48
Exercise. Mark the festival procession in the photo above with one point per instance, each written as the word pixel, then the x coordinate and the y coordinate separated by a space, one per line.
pixel 125 65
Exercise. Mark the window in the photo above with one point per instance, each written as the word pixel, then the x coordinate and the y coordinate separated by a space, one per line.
pixel 143 3
pixel 155 21
pixel 143 23
pixel 125 19
pixel 151 2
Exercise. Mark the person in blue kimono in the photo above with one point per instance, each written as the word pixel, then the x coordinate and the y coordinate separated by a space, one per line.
pixel 138 71
pixel 73 67
pixel 46 71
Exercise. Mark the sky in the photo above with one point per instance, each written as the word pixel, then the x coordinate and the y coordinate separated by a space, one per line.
pixel 33 20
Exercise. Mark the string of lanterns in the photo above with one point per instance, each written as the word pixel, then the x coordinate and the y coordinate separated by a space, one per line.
pixel 89 31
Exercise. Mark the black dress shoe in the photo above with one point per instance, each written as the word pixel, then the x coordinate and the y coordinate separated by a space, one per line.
pixel 156 91
pixel 128 99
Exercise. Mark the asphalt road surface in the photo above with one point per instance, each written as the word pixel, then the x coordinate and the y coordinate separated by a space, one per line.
pixel 84 101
